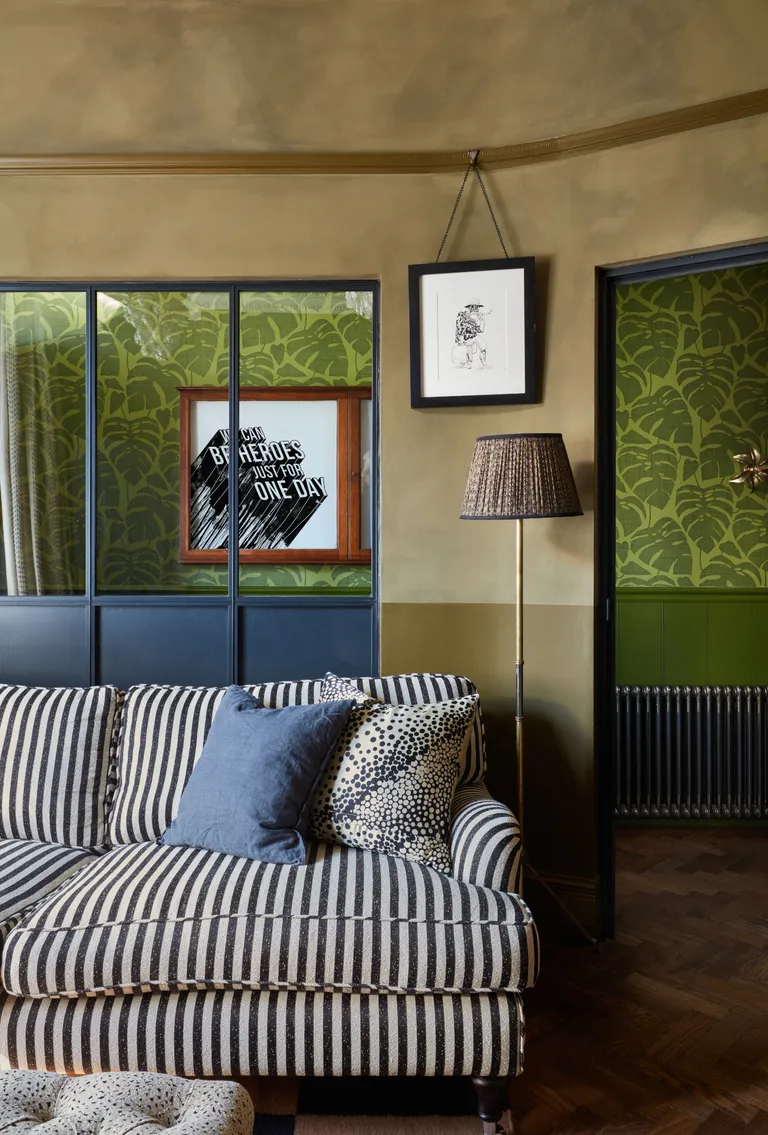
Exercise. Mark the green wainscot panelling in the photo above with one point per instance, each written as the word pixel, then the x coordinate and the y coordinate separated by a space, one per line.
pixel 684 642
pixel 692 390
pixel 677 637
pixel 639 643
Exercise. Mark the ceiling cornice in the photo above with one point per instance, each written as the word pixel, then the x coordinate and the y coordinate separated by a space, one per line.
pixel 428 161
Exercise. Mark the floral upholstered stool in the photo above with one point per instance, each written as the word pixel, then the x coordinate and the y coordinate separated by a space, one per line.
pixel 116 1103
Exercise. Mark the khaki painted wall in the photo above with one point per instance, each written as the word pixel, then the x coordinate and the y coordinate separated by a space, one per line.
pixel 446 585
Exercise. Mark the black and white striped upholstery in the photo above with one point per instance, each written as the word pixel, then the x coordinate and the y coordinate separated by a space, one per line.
pixel 55 747
pixel 29 871
pixel 485 840
pixel 146 917
pixel 194 963
pixel 238 1033
pixel 164 729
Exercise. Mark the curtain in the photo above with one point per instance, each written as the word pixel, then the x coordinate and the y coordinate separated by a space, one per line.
pixel 35 553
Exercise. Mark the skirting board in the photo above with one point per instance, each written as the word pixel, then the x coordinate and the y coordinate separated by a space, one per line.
pixel 578 894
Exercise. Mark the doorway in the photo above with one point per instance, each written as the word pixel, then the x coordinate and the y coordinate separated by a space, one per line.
pixel 677 377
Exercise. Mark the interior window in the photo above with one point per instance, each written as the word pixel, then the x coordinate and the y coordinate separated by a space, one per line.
pixel 42 443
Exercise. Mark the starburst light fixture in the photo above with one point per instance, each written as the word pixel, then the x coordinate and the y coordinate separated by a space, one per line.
pixel 755 471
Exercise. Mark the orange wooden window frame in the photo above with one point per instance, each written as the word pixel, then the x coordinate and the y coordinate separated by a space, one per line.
pixel 348 549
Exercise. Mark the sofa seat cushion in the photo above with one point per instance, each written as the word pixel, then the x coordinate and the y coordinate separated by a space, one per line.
pixel 164 729
pixel 148 917
pixel 121 1103
pixel 29 871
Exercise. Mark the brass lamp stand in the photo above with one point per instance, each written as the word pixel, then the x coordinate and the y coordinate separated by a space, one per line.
pixel 520 477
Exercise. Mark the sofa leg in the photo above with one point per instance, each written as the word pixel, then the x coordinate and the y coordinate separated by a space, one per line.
pixel 493 1104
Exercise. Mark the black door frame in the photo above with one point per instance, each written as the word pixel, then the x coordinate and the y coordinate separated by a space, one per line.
pixel 605 531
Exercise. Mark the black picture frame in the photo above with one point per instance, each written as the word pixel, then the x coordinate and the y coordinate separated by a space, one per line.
pixel 524 392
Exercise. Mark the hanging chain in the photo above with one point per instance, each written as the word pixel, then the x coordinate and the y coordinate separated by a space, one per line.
pixel 490 209
pixel 472 166
pixel 453 213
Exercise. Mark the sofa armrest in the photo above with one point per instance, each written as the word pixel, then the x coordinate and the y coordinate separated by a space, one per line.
pixel 485 840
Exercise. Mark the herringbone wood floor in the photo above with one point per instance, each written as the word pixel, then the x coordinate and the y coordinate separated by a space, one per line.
pixel 665 1029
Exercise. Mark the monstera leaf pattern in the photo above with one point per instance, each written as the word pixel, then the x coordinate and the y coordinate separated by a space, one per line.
pixel 148 345
pixel 46 336
pixel 307 338
pixel 692 389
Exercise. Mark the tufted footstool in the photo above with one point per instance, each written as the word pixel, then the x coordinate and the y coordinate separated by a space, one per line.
pixel 119 1103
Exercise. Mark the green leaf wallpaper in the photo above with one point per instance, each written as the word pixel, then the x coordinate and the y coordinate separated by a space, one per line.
pixel 692 390
pixel 45 402
pixel 304 338
pixel 148 345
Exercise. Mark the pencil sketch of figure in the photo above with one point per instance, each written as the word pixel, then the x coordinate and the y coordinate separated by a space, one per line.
pixel 469 343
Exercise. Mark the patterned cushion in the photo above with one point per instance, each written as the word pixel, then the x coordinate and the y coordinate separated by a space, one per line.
pixel 55 750
pixel 389 785
pixel 29 871
pixel 121 1103
pixel 164 729
pixel 146 917
pixel 241 1033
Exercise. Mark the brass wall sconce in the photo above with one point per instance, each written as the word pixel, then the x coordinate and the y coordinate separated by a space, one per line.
pixel 754 471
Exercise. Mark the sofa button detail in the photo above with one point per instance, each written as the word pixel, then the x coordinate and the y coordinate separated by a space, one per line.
pixel 114 1103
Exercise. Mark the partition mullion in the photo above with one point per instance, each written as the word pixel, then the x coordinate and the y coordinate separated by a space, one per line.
pixel 375 510
pixel 233 559
pixel 91 456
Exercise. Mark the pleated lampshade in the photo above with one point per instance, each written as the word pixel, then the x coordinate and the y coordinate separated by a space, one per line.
pixel 519 477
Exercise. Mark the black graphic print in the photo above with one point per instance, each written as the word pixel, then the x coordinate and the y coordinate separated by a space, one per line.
pixel 277 498
pixel 469 343
pixel 389 784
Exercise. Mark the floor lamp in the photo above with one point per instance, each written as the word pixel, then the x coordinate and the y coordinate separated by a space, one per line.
pixel 522 477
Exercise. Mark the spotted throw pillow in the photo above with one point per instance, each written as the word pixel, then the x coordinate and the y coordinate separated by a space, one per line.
pixel 389 784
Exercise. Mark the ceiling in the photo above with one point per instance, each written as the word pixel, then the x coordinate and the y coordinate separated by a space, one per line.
pixel 199 75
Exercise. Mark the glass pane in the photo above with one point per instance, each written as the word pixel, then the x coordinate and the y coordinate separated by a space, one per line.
pixel 42 443
pixel 155 351
pixel 366 459
pixel 304 357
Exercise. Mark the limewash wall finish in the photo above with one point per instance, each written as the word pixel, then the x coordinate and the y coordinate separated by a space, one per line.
pixel 691 549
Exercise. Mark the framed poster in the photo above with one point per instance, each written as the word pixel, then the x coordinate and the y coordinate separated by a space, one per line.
pixel 303 474
pixel 472 333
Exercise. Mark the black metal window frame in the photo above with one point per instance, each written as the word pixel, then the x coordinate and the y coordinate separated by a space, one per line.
pixel 233 600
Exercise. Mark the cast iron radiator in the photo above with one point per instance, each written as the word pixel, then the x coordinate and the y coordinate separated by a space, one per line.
pixel 692 752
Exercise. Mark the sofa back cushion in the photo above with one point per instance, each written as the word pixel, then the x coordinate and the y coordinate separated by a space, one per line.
pixel 164 729
pixel 56 751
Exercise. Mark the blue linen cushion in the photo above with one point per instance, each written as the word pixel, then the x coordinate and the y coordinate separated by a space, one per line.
pixel 249 792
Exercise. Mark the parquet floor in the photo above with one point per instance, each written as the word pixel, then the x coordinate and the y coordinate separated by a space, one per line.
pixel 665 1030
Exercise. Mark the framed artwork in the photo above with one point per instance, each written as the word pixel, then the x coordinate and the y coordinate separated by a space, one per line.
pixel 304 474
pixel 472 333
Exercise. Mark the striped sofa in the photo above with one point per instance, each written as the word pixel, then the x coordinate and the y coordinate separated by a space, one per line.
pixel 119 954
